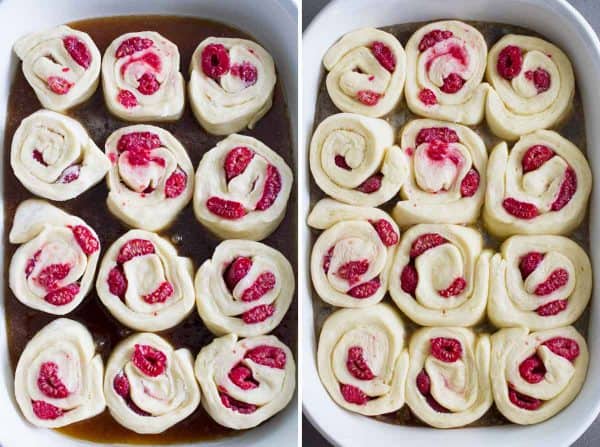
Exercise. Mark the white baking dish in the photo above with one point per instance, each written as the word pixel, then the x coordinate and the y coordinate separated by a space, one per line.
pixel 274 24
pixel 561 23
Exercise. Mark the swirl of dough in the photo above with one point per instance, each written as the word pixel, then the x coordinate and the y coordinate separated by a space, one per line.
pixel 144 283
pixel 536 374
pixel 231 84
pixel 366 72
pixel 351 259
pixel 242 189
pixel 533 86
pixel 62 65
pixel 141 78
pixel 245 288
pixel 446 183
pixel 151 176
pixel 58 380
pixel 362 360
pixel 148 385
pixel 541 187
pixel 53 156
pixel 440 275
pixel 353 159
pixel 539 282
pixel 444 69
pixel 53 268
pixel 448 383
pixel 245 382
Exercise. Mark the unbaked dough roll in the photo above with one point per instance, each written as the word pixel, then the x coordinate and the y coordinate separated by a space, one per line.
pixel 448 383
pixel 541 187
pixel 54 266
pixel 440 275
pixel 144 283
pixel 61 64
pixel 151 178
pixel 445 63
pixel 351 259
pixel 231 84
pixel 366 72
pixel 58 380
pixel 149 386
pixel 354 159
pixel 141 78
pixel 245 288
pixel 536 374
pixel 533 86
pixel 245 382
pixel 446 183
pixel 242 189
pixel 362 359
pixel 53 156
pixel 539 282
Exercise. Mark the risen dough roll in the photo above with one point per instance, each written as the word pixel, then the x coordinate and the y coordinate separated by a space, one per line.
pixel 144 283
pixel 539 282
pixel 148 385
pixel 53 268
pixel 445 63
pixel 53 156
pixel 62 65
pixel 231 84
pixel 533 86
pixel 245 288
pixel 351 259
pixel 242 189
pixel 366 72
pixel 446 183
pixel 151 176
pixel 245 382
pixel 535 375
pixel 353 159
pixel 440 275
pixel 58 380
pixel 541 187
pixel 141 78
pixel 448 384
pixel 362 359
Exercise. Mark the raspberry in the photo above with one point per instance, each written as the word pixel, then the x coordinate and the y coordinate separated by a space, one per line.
pixel 452 83
pixel 44 410
pixel 175 184
pixel 132 45
pixel 327 259
pixel 447 350
pixel 271 189
pixel 236 161
pixel 426 242
pixel 52 274
pixel 161 294
pixel 62 296
pixel 352 270
pixel 121 385
pixel 86 240
pixel 368 97
pixel 384 56
pixel 429 134
pixel 433 37
pixel 386 232
pixel 532 369
pixel 454 289
pixel 49 383
pixel 241 376
pixel 529 262
pixel 540 78
pixel 237 270
pixel 353 394
pixel 409 278
pixel 427 97
pixel 510 62
pixel 523 401
pixel 261 286
pixel 246 72
pixel 522 210
pixel 552 308
pixel 340 162
pixel 70 174
pixel 150 361
pixel 117 282
pixel 227 209
pixel 138 141
pixel 134 248
pixel 31 263
pixel 270 356
pixel 78 51
pixel 423 383
pixel 357 365
pixel 236 405
pixel 59 85
pixel 435 405
pixel 39 157
pixel 535 157
pixel 567 190
pixel 215 60
pixel 258 313
pixel 565 347
pixel 148 84
pixel 469 184
pixel 127 99
pixel 371 185
pixel 365 290
pixel 437 150
pixel 557 279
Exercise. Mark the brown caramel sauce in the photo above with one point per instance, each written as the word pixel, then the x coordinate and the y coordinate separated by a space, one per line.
pixel 573 128
pixel 190 238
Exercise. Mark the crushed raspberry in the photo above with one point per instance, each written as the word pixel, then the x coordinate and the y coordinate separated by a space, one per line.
pixel 271 189
pixel 470 183
pixel 265 355
pixel 246 72
pixel 227 209
pixel 532 369
pixel 384 56
pixel 49 383
pixel 352 270
pixel 452 83
pixel 454 289
pixel 340 162
pixel 327 259
pixel 52 274
pixel 522 400
pixel 175 184
pixel 62 296
pixel 386 232
pixel 565 347
pixel 366 289
pixel 529 262
pixel 357 365
pixel 426 242
pixel 522 210
pixel 242 377
pixel 435 404
pixel 162 293
pixel 44 410
pixel 552 308
pixel 510 62
pixel 59 85
pixel 567 190
pixel 134 248
pixel 237 270
pixel 78 51
pixel 409 278
pixel 138 141
pixel 427 97
pixel 368 97
pixel 31 263
pixel 148 84
pixel 151 361
pixel 70 174
pixel 236 161
pixel 371 185
pixel 447 350
pixel 557 279
pixel 39 157
pixel 117 282
pixel 127 99
pixel 540 78
pixel 86 240
pixel 353 394
pixel 261 286
pixel 133 45
pixel 429 134
pixel 258 313
pixel 236 405
pixel 215 60
pixel 121 385
pixel 437 150
pixel 535 157
pixel 433 37
pixel 423 383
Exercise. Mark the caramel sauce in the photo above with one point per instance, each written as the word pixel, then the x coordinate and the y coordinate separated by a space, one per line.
pixel 190 238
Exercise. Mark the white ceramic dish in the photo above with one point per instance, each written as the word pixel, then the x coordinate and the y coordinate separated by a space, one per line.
pixel 275 25
pixel 561 23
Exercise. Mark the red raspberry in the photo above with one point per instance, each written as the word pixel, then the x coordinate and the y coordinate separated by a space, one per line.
pixel 470 183
pixel 368 97
pixel 427 97
pixel 121 385
pixel 409 278
pixel 510 62
pixel 557 279
pixel 565 347
pixel 529 262
pixel 452 83
pixel 49 383
pixel 447 350
pixel 433 37
pixel 149 360
pixel 62 296
pixel 523 401
pixel 521 210
pixel 371 185
pixel 327 259
pixel 86 240
pixel 386 232
pixel 357 365
pixel 117 282
pixel 246 72
pixel 454 289
pixel 437 150
pixel 134 141
pixel 134 248
pixel 236 405
pixel 148 84
pixel 237 270
pixel 215 60
pixel 540 78
pixel 353 394
pixel 423 383
pixel 535 157
pixel 175 184
pixel 426 242
pixel 39 157
pixel 46 411
pixel 384 56
pixel 258 314
pixel 236 161
pixel 227 209
pixel 366 289
pixel 352 270
pixel 31 263
pixel 241 376
pixel 261 286
pixel 340 162
pixel 567 190
pixel 59 85
pixel 429 134
pixel 70 174
pixel 161 294
pixel 132 45
pixel 435 404
pixel 52 274
pixel 127 99
pixel 78 51
pixel 532 369
pixel 552 308
pixel 271 189
pixel 270 356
